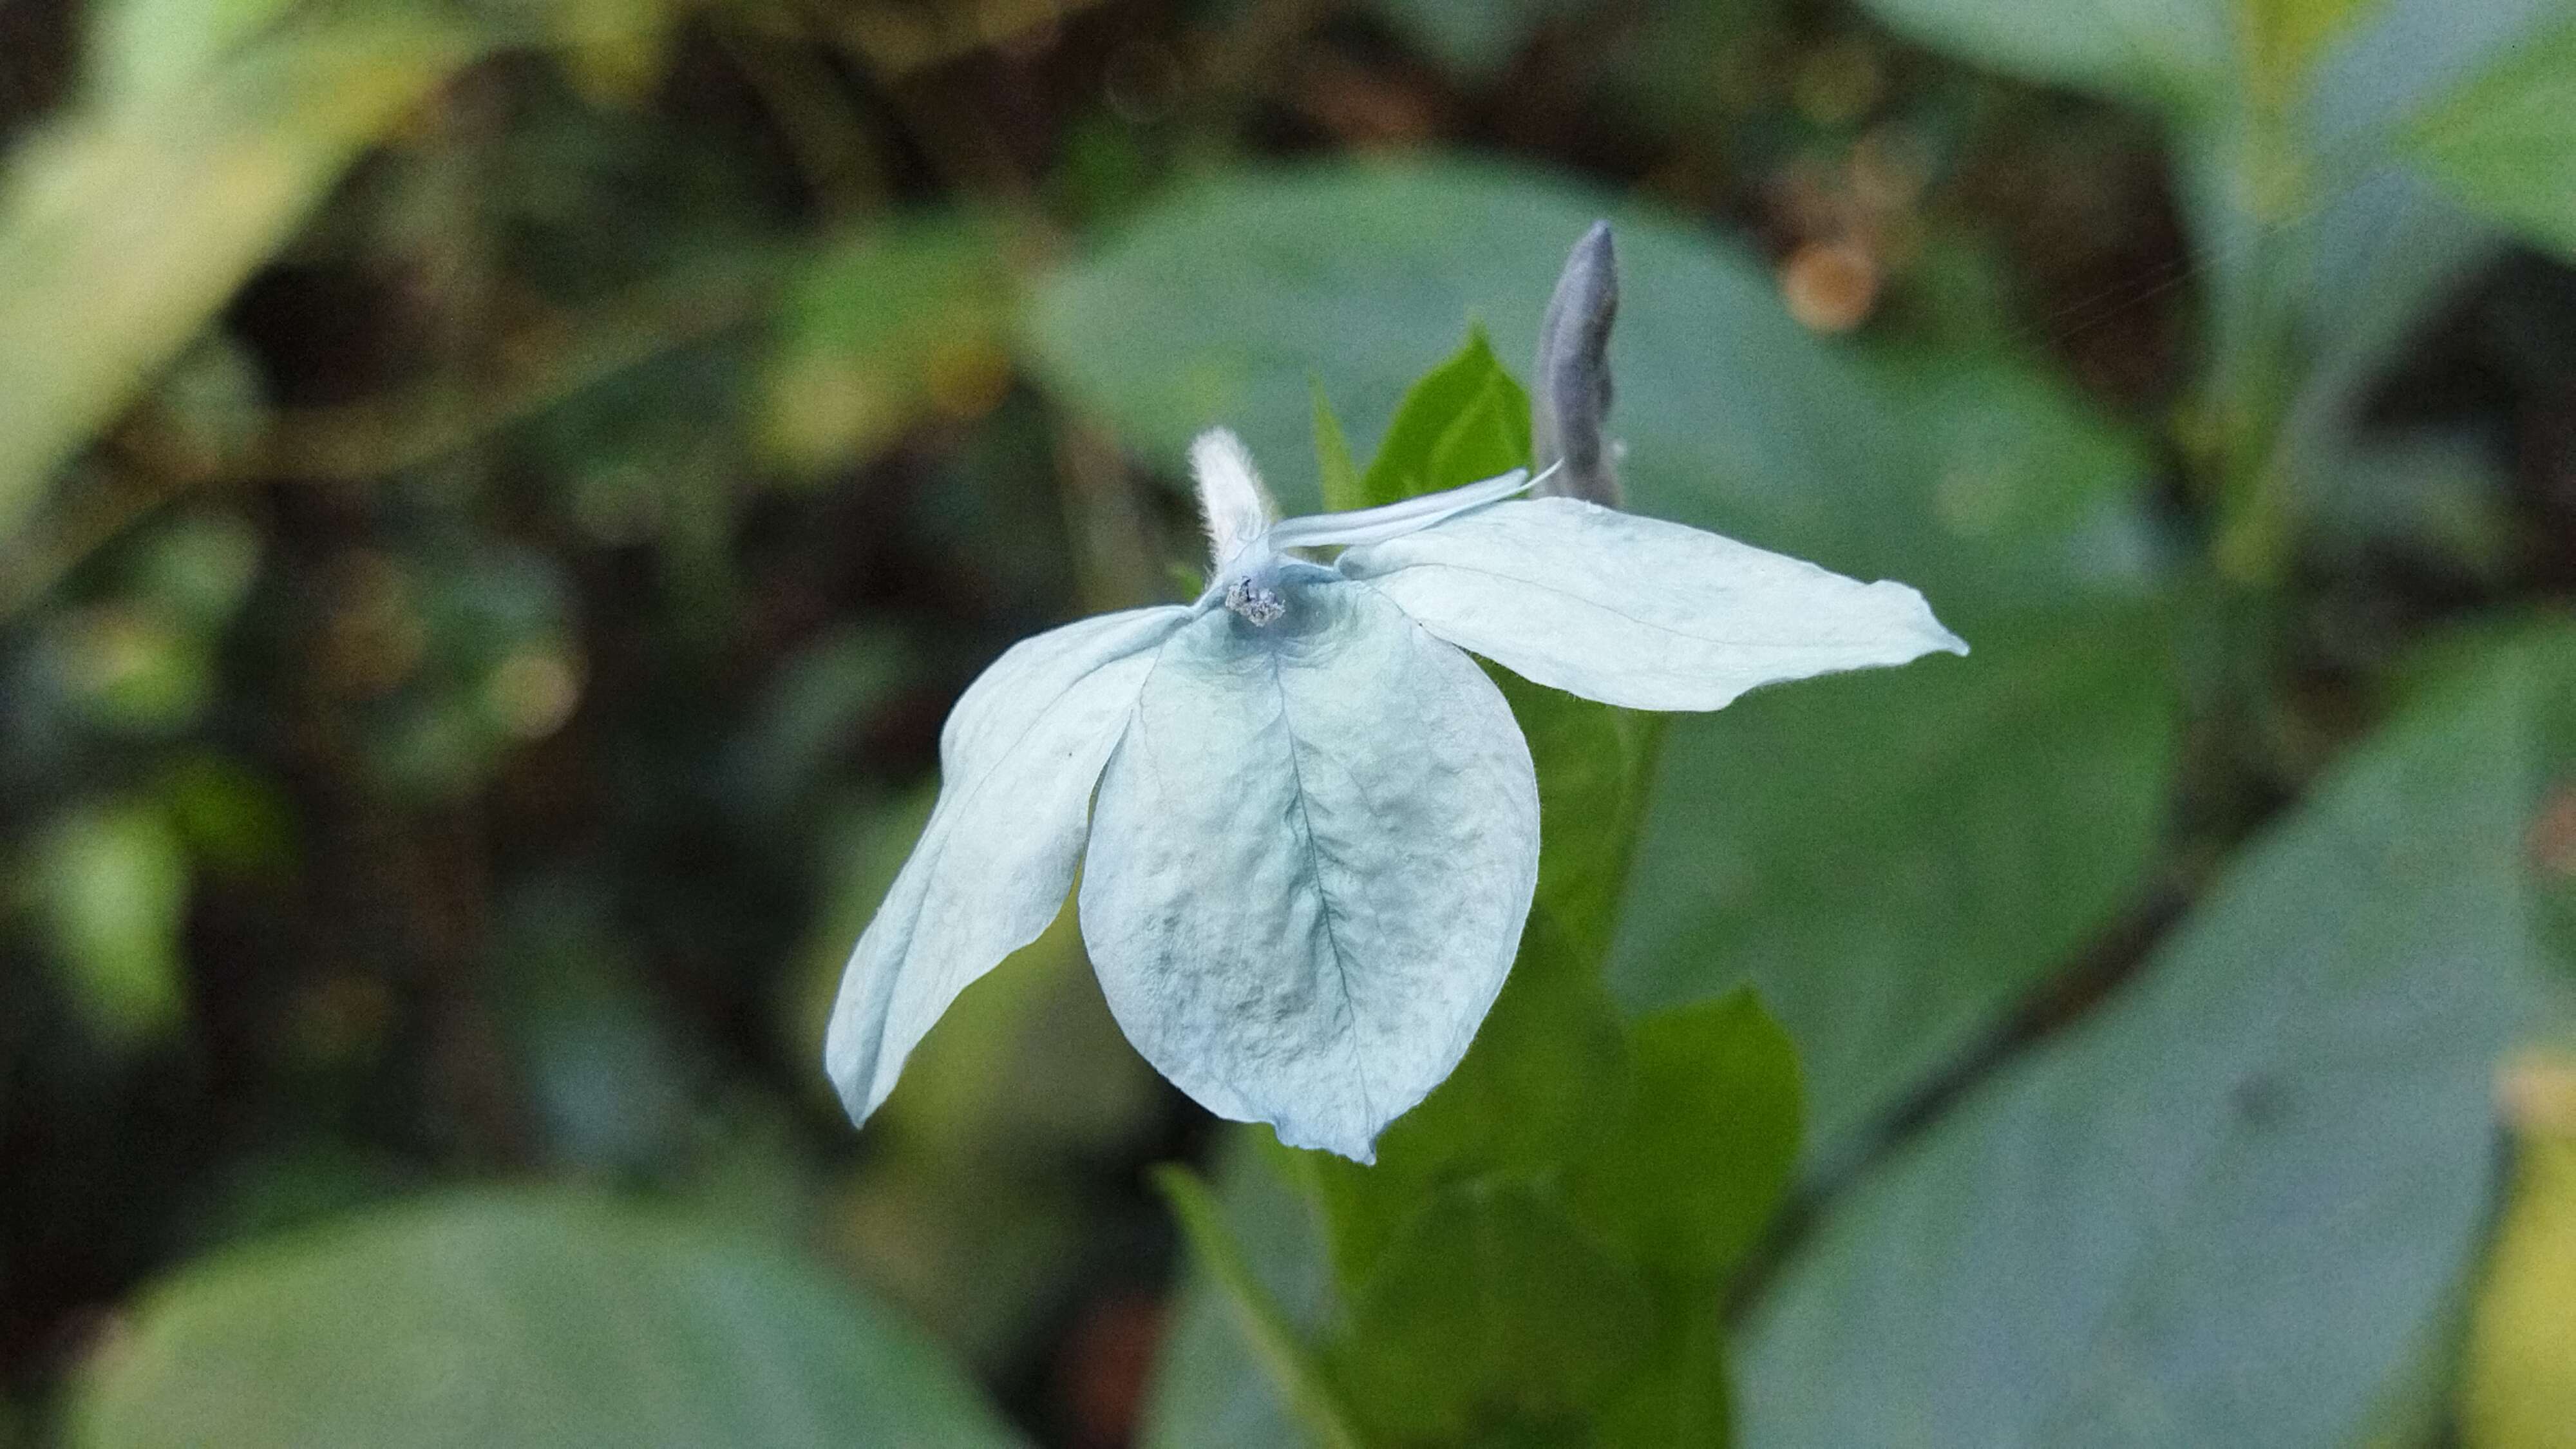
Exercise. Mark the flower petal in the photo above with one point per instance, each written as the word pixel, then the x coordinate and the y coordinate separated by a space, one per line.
pixel 1394 520
pixel 1638 611
pixel 1310 863
pixel 1233 505
pixel 1017 760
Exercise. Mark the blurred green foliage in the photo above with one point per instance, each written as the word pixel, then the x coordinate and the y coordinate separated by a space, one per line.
pixel 496 498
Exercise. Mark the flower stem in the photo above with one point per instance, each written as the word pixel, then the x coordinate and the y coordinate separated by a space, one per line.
pixel 1274 1344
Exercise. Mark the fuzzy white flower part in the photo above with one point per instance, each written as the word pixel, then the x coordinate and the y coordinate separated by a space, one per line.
pixel 1307 822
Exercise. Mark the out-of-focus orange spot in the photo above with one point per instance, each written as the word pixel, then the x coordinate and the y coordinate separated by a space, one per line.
pixel 1830 286
pixel 1108 1362
pixel 2537 1092
pixel 2552 837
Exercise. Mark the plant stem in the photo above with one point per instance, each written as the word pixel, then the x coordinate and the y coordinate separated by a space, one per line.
pixel 1274 1344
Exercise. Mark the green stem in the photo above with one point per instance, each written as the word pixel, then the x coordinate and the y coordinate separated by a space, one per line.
pixel 1274 1344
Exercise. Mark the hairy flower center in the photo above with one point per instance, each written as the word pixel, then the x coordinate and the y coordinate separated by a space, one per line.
pixel 1258 605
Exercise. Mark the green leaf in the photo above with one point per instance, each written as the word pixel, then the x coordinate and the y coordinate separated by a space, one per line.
pixel 1220 303
pixel 1494 1315
pixel 906 322
pixel 1474 41
pixel 2174 53
pixel 1338 476
pixel 1688 1176
pixel 1207 1389
pixel 518 1318
pixel 123 231
pixel 1550 1054
pixel 139 47
pixel 2505 140
pixel 2230 1207
pixel 1465 421
pixel 1266 1330
pixel 1551 1057
pixel 1895 858
pixel 2006 450
pixel 112 890
pixel 2284 38
pixel 2518 1386
pixel 1548 1063
pixel 1677 1398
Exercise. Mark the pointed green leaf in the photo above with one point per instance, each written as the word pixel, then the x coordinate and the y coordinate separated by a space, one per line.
pixel 1894 858
pixel 1208 1388
pixel 1266 1332
pixel 1690 1173
pixel 1340 476
pixel 2505 140
pixel 125 230
pixel 1465 420
pixel 508 1318
pixel 2173 53
pixel 2229 1207
pixel 1493 1315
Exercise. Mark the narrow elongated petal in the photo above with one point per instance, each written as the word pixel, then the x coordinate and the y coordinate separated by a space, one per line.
pixel 1394 520
pixel 1232 503
pixel 1309 864
pixel 1638 611
pixel 1017 761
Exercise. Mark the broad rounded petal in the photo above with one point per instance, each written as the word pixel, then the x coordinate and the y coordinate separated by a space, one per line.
pixel 1638 611
pixel 1310 863
pixel 1017 761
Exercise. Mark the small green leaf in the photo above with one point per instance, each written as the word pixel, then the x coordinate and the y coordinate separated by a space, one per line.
pixel 1465 421
pixel 2505 140
pixel 517 1318
pixel 1688 1176
pixel 1493 1315
pixel 1341 477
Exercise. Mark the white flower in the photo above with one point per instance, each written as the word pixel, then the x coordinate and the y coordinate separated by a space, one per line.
pixel 1315 832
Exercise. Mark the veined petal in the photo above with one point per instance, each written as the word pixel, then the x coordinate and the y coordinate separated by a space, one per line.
pixel 1310 862
pixel 1232 503
pixel 1638 611
pixel 1017 760
pixel 1394 520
